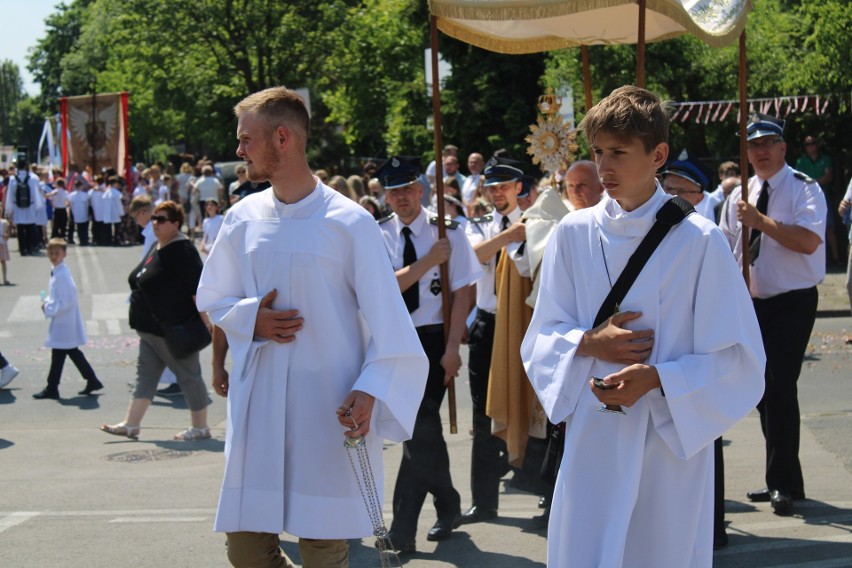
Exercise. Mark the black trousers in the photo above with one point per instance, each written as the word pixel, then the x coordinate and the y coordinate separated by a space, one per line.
pixel 57 362
pixel 26 238
pixel 3 362
pixel 60 222
pixel 83 232
pixel 71 226
pixel 719 485
pixel 786 322
pixel 489 458
pixel 425 466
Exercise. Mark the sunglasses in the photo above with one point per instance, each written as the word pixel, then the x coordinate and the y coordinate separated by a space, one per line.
pixel 161 219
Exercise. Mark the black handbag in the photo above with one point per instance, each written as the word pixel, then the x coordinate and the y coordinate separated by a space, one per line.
pixel 670 214
pixel 184 339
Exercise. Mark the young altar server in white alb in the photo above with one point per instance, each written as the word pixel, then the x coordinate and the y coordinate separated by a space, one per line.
pixel 321 342
pixel 66 332
pixel 636 490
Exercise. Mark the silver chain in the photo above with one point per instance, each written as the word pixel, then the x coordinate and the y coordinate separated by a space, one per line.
pixel 370 495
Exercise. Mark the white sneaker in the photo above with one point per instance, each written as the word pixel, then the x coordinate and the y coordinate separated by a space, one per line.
pixel 7 374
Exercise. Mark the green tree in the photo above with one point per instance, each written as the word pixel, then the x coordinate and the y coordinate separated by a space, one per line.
pixel 11 93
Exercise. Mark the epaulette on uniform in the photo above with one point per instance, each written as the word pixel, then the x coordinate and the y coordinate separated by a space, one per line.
pixel 483 219
pixel 804 177
pixel 386 218
pixel 448 223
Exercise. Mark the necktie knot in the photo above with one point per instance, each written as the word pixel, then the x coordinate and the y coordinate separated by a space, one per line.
pixel 504 223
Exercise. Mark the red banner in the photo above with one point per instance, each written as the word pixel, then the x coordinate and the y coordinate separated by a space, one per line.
pixel 94 132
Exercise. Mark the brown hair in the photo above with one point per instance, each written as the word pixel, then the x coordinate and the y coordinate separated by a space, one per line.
pixel 174 212
pixel 725 169
pixel 629 112
pixel 140 203
pixel 277 105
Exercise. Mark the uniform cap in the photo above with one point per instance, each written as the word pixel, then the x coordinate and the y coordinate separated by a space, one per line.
pixel 760 125
pixel 500 170
pixel 398 171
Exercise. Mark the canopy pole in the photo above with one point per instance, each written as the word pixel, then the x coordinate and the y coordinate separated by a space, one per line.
pixel 587 82
pixel 640 47
pixel 746 233
pixel 439 188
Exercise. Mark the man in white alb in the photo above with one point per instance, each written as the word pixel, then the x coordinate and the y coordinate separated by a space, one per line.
pixel 322 347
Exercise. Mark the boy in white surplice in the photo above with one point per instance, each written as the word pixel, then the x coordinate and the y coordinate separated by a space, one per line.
pixel 637 489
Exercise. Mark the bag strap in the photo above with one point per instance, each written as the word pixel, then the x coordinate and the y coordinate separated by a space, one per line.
pixel 670 214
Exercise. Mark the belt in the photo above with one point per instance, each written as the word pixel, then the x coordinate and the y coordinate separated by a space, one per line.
pixel 431 328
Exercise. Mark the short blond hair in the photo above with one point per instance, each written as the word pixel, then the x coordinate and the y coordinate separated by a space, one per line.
pixel 141 203
pixel 57 242
pixel 277 105
pixel 629 112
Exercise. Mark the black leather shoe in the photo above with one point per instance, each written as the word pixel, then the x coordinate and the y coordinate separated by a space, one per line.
pixel 398 543
pixel 758 496
pixel 762 495
pixel 781 501
pixel 542 502
pixel 47 394
pixel 477 514
pixel 91 386
pixel 443 529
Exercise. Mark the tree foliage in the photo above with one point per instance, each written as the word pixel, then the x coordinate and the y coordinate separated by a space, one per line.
pixel 187 62
pixel 11 93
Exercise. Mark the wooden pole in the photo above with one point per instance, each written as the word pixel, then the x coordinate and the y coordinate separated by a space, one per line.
pixel 744 151
pixel 439 188
pixel 640 47
pixel 587 82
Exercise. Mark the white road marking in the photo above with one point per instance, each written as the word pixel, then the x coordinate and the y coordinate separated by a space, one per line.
pixel 92 328
pixel 27 308
pixel 159 519
pixel 112 306
pixel 113 328
pixel 12 519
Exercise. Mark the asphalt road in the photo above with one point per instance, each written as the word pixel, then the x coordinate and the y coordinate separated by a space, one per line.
pixel 75 497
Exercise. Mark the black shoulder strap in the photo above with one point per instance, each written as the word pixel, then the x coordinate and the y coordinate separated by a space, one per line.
pixel 670 214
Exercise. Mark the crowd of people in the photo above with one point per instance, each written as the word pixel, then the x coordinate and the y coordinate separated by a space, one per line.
pixel 581 328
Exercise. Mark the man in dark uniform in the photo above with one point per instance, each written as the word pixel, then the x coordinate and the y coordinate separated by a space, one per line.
pixel 489 236
pixel 786 215
pixel 411 240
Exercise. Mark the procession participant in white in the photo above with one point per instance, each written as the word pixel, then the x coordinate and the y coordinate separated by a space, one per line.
pixel 79 201
pixel 416 252
pixel 66 332
pixel 113 209
pixel 22 206
pixel 317 326
pixel 636 490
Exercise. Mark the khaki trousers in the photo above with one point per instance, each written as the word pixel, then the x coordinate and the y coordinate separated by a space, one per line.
pixel 261 550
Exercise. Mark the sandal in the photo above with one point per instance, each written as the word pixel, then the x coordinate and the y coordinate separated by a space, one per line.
pixel 121 429
pixel 192 434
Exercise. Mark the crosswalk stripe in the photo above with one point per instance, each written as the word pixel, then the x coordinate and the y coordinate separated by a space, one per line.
pixel 27 308
pixel 14 519
pixel 110 306
pixel 159 519
pixel 776 544
pixel 113 328
pixel 92 328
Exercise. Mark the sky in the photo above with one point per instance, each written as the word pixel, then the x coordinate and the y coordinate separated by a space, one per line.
pixel 23 26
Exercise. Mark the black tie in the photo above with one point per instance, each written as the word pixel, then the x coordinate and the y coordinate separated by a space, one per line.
pixel 409 255
pixel 504 224
pixel 754 239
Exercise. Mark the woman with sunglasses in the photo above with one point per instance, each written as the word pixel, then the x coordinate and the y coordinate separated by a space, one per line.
pixel 163 293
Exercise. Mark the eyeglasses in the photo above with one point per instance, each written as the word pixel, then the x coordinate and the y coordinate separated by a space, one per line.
pixel 764 144
pixel 161 219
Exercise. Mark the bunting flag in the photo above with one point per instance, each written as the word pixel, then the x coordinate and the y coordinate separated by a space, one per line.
pixel 94 132
pixel 718 111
